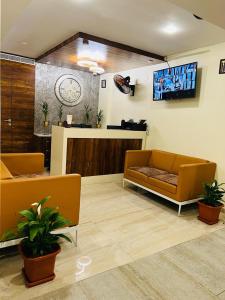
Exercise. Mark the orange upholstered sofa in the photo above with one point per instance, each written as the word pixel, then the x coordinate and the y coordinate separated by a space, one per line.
pixel 177 178
pixel 19 189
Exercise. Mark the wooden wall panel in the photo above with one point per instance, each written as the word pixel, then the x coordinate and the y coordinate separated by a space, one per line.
pixel 90 157
pixel 19 81
pixel 112 56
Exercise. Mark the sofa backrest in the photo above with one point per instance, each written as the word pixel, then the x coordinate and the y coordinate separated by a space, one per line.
pixel 4 172
pixel 23 163
pixel 182 160
pixel 171 162
pixel 162 160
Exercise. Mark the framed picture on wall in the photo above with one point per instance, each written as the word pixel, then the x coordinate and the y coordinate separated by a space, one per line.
pixel 222 66
pixel 103 84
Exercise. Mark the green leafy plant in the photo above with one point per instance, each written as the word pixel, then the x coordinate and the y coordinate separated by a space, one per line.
pixel 37 225
pixel 45 109
pixel 213 193
pixel 60 112
pixel 99 116
pixel 87 113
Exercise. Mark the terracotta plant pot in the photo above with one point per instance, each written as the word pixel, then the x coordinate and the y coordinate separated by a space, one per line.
pixel 98 125
pixel 209 214
pixel 39 269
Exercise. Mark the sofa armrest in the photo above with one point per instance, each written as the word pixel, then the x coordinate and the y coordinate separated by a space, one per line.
pixel 19 194
pixel 136 158
pixel 191 178
pixel 24 163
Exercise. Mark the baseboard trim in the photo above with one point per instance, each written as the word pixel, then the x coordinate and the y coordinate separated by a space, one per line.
pixel 102 178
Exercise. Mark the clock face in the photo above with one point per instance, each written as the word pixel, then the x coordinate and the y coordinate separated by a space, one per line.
pixel 68 90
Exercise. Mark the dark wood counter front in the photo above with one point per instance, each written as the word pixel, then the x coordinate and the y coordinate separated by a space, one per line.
pixel 92 151
pixel 98 156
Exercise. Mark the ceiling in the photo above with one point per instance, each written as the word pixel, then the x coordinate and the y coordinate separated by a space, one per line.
pixel 10 10
pixel 212 11
pixel 32 27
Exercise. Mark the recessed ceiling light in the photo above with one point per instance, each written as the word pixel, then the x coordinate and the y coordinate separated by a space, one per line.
pixel 24 43
pixel 170 29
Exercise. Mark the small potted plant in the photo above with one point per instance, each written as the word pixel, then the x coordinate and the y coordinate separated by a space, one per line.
pixel 60 114
pixel 39 246
pixel 87 113
pixel 99 118
pixel 45 111
pixel 211 204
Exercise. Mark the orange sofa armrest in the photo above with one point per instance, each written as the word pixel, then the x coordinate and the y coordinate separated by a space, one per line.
pixel 24 163
pixel 19 194
pixel 191 178
pixel 136 158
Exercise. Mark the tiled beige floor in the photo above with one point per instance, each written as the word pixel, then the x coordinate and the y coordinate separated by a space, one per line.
pixel 191 270
pixel 117 226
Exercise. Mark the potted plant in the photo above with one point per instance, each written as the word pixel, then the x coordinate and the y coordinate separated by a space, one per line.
pixel 60 114
pixel 87 113
pixel 99 118
pixel 45 112
pixel 39 246
pixel 211 204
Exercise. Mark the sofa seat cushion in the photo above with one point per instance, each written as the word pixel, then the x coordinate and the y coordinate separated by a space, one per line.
pixel 136 174
pixel 148 171
pixel 4 172
pixel 171 188
pixel 43 174
pixel 158 178
pixel 169 178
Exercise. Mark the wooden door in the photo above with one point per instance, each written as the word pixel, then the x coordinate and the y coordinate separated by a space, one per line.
pixel 6 105
pixel 18 86
pixel 23 80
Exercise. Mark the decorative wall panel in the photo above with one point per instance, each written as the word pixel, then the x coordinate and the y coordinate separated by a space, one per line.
pixel 46 77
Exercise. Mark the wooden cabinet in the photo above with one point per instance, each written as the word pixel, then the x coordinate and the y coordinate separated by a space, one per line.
pixel 42 144
pixel 17 106
pixel 99 156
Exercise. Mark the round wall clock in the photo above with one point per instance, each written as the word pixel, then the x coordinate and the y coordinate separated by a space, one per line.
pixel 69 90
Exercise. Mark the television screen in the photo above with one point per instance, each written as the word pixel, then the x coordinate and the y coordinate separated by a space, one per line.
pixel 175 83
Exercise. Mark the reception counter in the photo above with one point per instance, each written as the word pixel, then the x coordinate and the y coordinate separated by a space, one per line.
pixel 92 151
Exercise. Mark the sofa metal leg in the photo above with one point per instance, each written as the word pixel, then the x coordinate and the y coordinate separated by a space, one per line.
pixel 74 240
pixel 179 210
pixel 76 237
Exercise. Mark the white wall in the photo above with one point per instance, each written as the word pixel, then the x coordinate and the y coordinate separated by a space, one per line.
pixel 192 126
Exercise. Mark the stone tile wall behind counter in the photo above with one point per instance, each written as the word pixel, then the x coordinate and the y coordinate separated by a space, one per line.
pixel 46 77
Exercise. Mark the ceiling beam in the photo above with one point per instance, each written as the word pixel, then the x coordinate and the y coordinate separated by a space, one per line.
pixel 101 41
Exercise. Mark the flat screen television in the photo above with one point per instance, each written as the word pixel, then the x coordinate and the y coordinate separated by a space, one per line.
pixel 175 83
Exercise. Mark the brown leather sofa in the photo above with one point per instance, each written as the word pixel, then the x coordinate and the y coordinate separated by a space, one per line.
pixel 178 178
pixel 19 189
